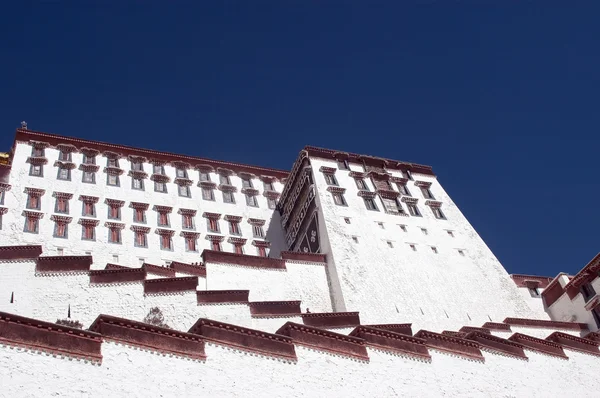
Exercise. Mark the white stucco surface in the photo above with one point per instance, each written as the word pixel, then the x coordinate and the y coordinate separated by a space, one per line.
pixel 228 373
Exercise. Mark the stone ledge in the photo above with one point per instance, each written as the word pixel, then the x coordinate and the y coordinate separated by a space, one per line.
pixel 325 341
pixel 170 285
pixel 10 253
pixel 158 270
pixel 540 323
pixel 63 263
pixel 274 308
pixel 497 344
pixel 502 327
pixel 222 296
pixel 402 328
pixel 393 342
pixel 331 319
pixel 211 256
pixel 575 343
pixel 452 344
pixel 540 345
pixel 304 257
pixel 190 269
pixel 117 275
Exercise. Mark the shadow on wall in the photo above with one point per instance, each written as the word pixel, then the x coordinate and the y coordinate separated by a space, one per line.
pixel 274 234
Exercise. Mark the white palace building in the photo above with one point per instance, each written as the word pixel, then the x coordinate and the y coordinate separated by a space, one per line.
pixel 132 272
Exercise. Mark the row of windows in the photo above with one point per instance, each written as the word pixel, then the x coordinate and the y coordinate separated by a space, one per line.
pixel 363 186
pixel 412 246
pixel 344 165
pixel 391 205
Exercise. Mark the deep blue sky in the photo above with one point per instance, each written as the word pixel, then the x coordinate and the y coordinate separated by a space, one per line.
pixel 502 100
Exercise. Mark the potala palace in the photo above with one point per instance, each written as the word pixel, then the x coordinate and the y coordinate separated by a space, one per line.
pixel 132 272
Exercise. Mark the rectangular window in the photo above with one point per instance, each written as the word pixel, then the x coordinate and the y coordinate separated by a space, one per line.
pixel 228 197
pixel 32 225
pixel 427 193
pixel 36 170
pixel 141 239
pixel 408 175
pixel 212 225
pixel 2 194
pixel 330 179
pixel 33 202
pixel 361 184
pixel 587 291
pixel 114 212
pixel 190 244
pixel 112 180
pixel 64 156
pixel 60 230
pixel 413 210
pixel 137 166
pixel 424 231
pixel 208 194
pixel 413 247
pixel 370 204
pixel 184 191
pixel 390 244
pixel 64 174
pixel 166 242
pixel 451 233
pixel 434 249
pixel 262 252
pixel 257 231
pixel 160 187
pixel 272 203
pixel 437 212
pixel 158 169
pixel 112 163
pixel 187 221
pixel 88 232
pixel 114 235
pixel 392 205
pixel 89 159
pixel 163 219
pixel 234 228
pixel 61 206
pixel 338 199
pixel 89 177
pixel 404 190
pixel 89 210
pixel 461 252
pixel 380 225
pixel 343 165
pixel 246 183
pixel 238 248
pixel 224 180
pixel 181 173
pixel 204 176
pixel 37 152
pixel 216 246
pixel 268 186
pixel 251 200
pixel 139 216
pixel 137 183
pixel 534 292
pixel 403 228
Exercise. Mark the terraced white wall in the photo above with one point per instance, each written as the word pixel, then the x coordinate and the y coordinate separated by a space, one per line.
pixel 229 373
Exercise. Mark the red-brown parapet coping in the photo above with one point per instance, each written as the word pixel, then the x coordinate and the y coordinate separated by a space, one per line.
pixel 272 345
pixel 395 342
pixel 497 344
pixel 586 275
pixel 575 343
pixel 541 282
pixel 156 338
pixel 540 323
pixel 123 275
pixel 453 333
pixel 190 269
pixel 158 270
pixel 274 308
pixel 25 135
pixel 244 260
pixel 222 296
pixel 37 335
pixel 540 345
pixel 503 327
pixel 469 329
pixel 403 328
pixel 451 344
pixel 63 263
pixel 115 266
pixel 325 341
pixel 553 291
pixel 331 319
pixel 12 253
pixel 170 285
pixel 593 336
pixel 304 257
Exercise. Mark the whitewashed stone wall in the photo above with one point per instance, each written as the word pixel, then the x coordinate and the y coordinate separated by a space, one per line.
pixel 397 285
pixel 228 373
pixel 126 253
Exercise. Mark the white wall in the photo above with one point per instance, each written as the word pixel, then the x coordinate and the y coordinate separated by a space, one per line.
pixel 396 285
pixel 129 255
pixel 229 373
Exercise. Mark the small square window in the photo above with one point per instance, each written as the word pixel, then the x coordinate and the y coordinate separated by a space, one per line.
pixel 380 224
pixel 137 166
pixel 89 159
pixel 461 252
pixel 137 183
pixel 228 197
pixel 61 230
pixel 181 173
pixel 413 247
pixel 347 220
pixel 272 203
pixel 184 191
pixel 238 248
pixel 534 292
pixel 413 210
pixel 268 186
pixel 251 200
pixel 424 231
pixel 112 162
pixel 158 169
pixel 36 170
pixel 212 225
pixel 141 260
pixel 208 194
pixel 224 179
pixel 434 249
pixel 114 212
pixel 60 251
pixel 163 219
pixel 88 232
pixel 187 221
pixel 246 183
pixel 139 216
pixel 361 184
pixel 343 165
pixel 89 177
pixel 141 239
pixel 114 235
pixel 64 156
pixel 234 228
pixel 408 175
pixel 160 187
pixel 34 202
pixel 437 212
pixel 204 176
pixel 257 231
pixel 355 239
pixel 403 228
pixel 64 174
pixel 166 243
pixel 115 258
pixel 404 190
pixel 390 244
pixel 190 244
pixel 451 233
pixel 330 179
